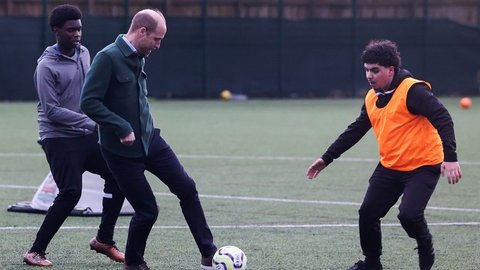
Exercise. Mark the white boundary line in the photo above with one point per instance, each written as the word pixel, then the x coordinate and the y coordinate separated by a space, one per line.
pixel 22 155
pixel 318 202
pixel 271 158
pixel 252 226
pixel 264 199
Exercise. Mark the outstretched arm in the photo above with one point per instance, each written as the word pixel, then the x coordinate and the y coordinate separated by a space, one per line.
pixel 354 132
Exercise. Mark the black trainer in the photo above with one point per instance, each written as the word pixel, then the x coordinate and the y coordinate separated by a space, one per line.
pixel 206 263
pixel 361 265
pixel 426 253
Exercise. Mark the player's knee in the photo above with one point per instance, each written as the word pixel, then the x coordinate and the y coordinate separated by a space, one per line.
pixel 367 216
pixel 147 215
pixel 186 191
pixel 409 217
pixel 69 196
pixel 153 215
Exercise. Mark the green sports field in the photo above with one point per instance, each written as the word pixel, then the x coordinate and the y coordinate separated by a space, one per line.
pixel 249 160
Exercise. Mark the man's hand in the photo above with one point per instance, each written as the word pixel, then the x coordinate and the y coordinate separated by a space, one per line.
pixel 128 141
pixel 452 170
pixel 315 168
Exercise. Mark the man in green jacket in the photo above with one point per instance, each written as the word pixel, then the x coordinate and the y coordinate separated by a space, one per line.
pixel 115 96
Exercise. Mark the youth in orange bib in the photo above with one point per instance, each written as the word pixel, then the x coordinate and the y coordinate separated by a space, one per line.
pixel 417 145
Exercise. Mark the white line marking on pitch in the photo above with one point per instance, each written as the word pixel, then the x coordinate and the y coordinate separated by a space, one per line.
pixel 344 159
pixel 223 197
pixel 272 158
pixel 253 226
pixel 313 202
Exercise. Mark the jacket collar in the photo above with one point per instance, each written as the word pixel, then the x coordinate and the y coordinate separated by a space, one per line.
pixel 124 47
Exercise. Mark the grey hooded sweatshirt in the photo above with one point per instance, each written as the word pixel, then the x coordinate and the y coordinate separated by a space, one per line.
pixel 58 80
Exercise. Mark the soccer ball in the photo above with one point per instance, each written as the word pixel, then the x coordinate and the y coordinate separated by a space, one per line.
pixel 229 258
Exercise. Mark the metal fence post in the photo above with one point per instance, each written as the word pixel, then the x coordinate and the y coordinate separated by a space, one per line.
pixel 126 14
pixel 205 48
pixel 281 48
pixel 354 63
pixel 425 38
pixel 45 25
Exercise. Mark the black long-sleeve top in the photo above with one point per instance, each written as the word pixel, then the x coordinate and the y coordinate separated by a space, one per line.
pixel 420 101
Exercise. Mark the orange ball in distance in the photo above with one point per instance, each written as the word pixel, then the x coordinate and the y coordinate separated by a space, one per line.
pixel 465 102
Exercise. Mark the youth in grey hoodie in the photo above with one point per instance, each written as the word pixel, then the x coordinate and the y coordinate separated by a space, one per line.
pixel 58 80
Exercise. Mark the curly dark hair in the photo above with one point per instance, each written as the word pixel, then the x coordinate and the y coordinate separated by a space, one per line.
pixel 62 13
pixel 382 52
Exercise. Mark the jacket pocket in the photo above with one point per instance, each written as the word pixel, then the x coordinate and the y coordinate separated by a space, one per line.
pixel 124 77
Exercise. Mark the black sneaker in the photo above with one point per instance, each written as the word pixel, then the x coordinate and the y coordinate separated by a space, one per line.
pixel 206 263
pixel 361 265
pixel 426 254
pixel 142 266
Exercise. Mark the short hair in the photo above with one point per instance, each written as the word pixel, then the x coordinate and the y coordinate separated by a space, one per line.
pixel 144 18
pixel 382 52
pixel 62 13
